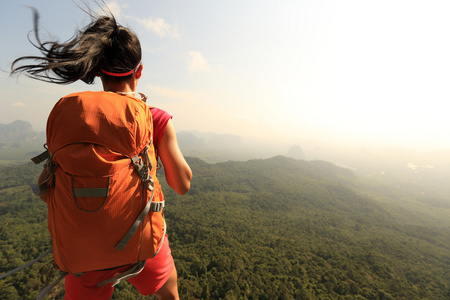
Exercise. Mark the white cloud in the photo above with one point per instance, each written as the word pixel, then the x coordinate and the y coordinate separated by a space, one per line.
pixel 197 62
pixel 158 26
pixel 116 8
pixel 18 104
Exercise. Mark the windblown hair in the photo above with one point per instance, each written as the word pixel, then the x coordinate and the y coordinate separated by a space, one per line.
pixel 101 45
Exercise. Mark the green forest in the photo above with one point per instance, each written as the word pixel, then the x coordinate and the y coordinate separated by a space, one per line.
pixel 273 228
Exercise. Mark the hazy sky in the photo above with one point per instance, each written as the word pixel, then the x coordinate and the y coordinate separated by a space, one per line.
pixel 350 72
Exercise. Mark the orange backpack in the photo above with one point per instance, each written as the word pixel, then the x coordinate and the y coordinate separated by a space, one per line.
pixel 105 205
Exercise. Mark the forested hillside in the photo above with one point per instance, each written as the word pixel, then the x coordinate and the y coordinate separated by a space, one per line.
pixel 262 229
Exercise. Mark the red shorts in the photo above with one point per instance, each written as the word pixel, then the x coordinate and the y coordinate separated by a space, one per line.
pixel 155 273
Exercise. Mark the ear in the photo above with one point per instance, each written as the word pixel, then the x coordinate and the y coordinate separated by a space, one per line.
pixel 139 71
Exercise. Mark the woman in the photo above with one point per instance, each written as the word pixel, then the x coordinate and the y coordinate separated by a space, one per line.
pixel 112 52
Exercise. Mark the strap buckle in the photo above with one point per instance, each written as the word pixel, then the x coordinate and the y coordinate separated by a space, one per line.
pixel 144 166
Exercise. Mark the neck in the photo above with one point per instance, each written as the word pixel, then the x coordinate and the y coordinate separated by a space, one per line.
pixel 123 87
pixel 128 86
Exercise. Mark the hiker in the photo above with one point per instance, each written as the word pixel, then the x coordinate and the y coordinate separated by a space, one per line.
pixel 99 121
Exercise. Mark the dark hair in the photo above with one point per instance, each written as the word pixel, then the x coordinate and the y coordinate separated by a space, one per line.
pixel 101 45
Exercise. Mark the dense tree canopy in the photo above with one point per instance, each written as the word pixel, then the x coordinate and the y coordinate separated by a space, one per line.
pixel 262 229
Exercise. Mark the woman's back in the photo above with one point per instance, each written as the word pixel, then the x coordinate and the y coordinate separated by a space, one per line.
pixel 116 144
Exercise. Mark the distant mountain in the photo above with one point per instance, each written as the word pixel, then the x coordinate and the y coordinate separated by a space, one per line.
pixel 209 139
pixel 209 146
pixel 296 152
pixel 214 147
pixel 17 131
pixel 190 140
pixel 18 142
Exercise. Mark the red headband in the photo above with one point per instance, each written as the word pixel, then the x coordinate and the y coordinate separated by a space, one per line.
pixel 122 74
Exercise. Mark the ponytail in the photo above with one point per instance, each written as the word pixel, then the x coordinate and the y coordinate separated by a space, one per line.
pixel 102 45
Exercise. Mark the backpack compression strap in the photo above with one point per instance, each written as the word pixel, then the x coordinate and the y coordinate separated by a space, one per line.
pixel 143 166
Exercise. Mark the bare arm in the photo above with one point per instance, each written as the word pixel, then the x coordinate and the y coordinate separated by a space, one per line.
pixel 178 173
